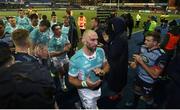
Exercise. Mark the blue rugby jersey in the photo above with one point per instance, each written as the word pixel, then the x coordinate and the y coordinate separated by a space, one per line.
pixel 151 58
pixel 81 65
pixel 40 37
pixel 57 44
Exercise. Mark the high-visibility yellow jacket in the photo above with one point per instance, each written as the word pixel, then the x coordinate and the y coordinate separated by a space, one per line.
pixel 82 22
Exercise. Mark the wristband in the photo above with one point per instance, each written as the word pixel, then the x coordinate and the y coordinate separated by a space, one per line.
pixel 84 84
pixel 102 73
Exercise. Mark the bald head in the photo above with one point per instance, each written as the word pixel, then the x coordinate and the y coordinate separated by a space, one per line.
pixel 89 34
pixel 90 40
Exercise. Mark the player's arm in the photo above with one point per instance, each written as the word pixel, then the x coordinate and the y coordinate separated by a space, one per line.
pixel 68 46
pixel 83 84
pixel 102 71
pixel 105 67
pixel 155 70
pixel 56 53
pixel 73 79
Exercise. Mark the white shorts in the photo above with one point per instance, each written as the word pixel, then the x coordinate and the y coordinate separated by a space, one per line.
pixel 89 97
pixel 59 63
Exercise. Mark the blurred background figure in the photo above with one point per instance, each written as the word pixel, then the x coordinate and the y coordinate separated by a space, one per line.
pixel 138 20
pixel 82 23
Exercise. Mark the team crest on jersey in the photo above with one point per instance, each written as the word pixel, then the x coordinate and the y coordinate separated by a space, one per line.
pixel 145 59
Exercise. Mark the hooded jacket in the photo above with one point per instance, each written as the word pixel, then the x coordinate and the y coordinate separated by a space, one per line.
pixel 117 54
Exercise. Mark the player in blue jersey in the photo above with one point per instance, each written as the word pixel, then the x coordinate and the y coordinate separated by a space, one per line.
pixel 149 63
pixel 12 25
pixel 22 20
pixel 4 36
pixel 40 35
pixel 58 48
pixel 53 18
pixel 34 22
pixel 65 27
pixel 86 67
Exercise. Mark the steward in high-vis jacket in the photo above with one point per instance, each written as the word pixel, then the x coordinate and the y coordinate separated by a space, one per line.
pixel 171 39
pixel 82 23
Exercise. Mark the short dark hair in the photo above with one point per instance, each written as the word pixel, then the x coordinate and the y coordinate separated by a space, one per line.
pixel 33 16
pixel 44 17
pixel 45 23
pixel 5 53
pixel 68 11
pixel 54 26
pixel 96 19
pixel 10 17
pixel 2 23
pixel 156 36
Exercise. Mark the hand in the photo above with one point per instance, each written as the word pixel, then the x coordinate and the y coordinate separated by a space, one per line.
pixel 98 71
pixel 66 48
pixel 68 45
pixel 105 37
pixel 92 85
pixel 138 58
pixel 132 64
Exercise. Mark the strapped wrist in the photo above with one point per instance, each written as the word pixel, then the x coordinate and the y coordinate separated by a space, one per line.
pixel 84 84
pixel 102 73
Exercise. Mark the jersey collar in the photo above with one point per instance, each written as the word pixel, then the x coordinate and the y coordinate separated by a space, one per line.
pixel 90 57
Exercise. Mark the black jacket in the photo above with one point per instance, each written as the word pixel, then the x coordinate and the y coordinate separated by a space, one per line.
pixel 117 55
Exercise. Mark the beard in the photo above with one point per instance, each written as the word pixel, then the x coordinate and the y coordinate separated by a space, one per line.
pixel 91 48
